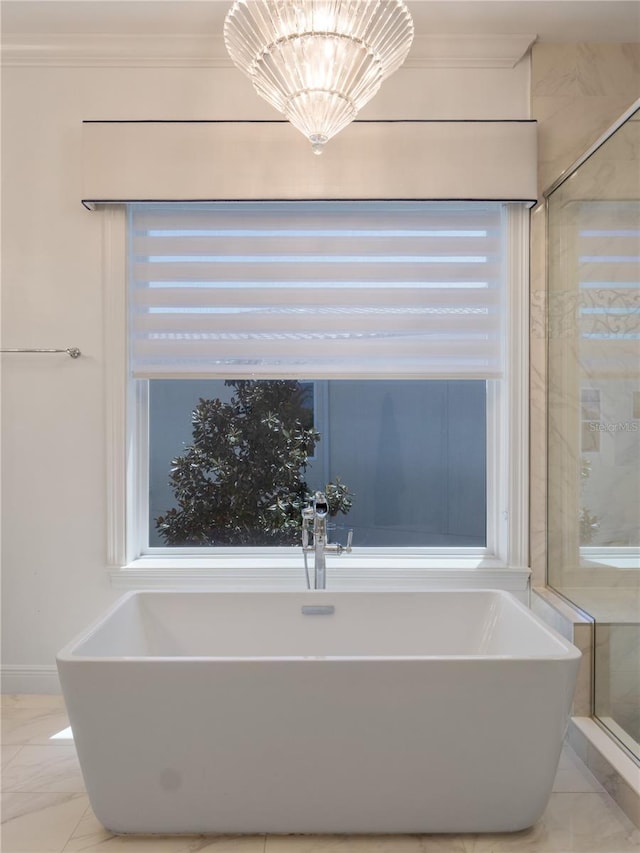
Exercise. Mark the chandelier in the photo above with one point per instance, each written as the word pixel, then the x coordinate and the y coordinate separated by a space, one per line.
pixel 318 61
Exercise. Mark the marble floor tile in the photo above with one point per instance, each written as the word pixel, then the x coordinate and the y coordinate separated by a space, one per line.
pixel 572 823
pixel 39 823
pixel 91 837
pixel 365 844
pixel 31 725
pixel 39 701
pixel 44 769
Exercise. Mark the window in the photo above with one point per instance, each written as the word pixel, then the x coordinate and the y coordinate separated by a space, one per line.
pixel 412 453
pixel 394 318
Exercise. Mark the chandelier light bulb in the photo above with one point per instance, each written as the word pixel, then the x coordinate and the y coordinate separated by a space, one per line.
pixel 318 62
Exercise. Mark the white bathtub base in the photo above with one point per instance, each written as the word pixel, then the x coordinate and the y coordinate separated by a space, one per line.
pixel 226 760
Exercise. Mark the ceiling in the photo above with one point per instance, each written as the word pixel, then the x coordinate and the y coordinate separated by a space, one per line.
pixel 550 20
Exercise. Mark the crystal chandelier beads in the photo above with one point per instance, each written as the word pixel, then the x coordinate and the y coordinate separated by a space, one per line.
pixel 318 61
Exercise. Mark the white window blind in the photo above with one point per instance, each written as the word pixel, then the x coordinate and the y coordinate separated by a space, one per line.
pixel 317 289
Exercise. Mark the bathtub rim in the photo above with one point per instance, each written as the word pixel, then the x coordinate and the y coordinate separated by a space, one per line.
pixel 69 652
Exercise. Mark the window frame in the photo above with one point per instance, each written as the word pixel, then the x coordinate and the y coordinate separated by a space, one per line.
pixel 503 562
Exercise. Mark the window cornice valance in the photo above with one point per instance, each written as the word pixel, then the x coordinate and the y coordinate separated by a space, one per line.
pixel 139 161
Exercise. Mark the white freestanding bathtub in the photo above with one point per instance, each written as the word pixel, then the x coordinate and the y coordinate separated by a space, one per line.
pixel 318 712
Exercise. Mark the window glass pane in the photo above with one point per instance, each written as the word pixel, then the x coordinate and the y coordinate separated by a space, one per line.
pixel 412 453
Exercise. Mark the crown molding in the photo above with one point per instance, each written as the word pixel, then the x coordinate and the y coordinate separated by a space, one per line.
pixel 106 50
pixel 469 51
pixel 201 51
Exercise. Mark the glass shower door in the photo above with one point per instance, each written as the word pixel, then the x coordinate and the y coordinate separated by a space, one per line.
pixel 593 514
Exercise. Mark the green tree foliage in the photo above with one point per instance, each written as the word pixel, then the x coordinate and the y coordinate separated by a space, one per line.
pixel 241 481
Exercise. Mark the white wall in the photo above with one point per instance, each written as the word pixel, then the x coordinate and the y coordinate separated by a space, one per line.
pixel 54 575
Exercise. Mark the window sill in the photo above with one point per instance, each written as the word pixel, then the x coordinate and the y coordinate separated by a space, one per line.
pixel 349 572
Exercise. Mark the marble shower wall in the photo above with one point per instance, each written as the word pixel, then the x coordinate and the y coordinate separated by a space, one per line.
pixel 578 91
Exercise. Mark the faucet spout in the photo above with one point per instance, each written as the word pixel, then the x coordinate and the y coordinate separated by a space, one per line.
pixel 314 521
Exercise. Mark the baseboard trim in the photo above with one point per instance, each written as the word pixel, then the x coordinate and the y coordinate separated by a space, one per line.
pixel 29 679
